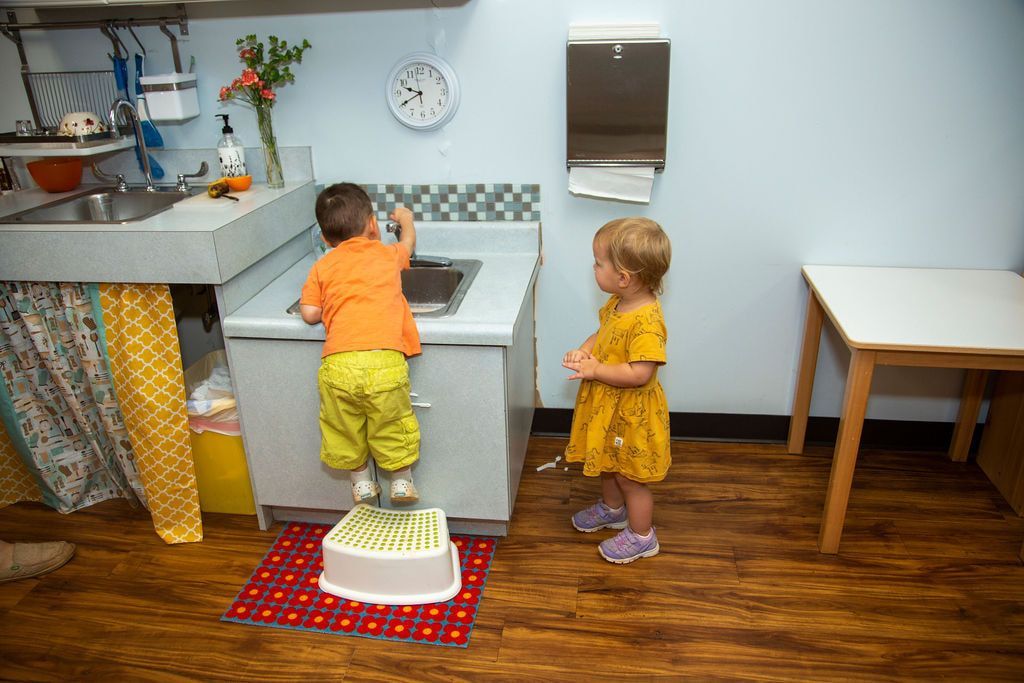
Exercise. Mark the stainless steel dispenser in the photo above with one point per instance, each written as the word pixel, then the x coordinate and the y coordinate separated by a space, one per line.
pixel 617 102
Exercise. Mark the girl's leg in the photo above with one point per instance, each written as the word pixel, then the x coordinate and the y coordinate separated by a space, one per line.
pixel 611 492
pixel 639 504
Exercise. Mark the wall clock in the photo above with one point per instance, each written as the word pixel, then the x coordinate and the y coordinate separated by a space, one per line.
pixel 423 91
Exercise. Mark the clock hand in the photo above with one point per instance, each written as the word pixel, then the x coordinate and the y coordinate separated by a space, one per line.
pixel 408 101
pixel 419 91
pixel 411 90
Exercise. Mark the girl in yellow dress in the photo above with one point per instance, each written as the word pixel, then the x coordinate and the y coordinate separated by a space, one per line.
pixel 620 428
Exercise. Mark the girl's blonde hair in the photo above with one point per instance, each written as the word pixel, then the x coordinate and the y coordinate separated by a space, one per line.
pixel 637 246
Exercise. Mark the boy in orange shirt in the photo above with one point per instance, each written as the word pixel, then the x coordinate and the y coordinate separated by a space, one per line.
pixel 356 292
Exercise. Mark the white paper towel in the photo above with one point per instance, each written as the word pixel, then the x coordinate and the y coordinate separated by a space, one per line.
pixel 623 183
pixel 634 31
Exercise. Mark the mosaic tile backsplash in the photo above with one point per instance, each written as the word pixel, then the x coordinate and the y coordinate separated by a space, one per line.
pixel 476 202
pixel 472 202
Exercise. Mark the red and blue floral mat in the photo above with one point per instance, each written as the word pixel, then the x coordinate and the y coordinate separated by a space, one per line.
pixel 283 593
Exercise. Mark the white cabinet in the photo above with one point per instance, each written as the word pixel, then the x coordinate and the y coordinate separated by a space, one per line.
pixel 474 433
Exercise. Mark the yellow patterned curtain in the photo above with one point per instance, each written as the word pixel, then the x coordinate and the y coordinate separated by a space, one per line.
pixel 16 483
pixel 145 362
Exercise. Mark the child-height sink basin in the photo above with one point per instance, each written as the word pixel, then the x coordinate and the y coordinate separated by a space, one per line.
pixel 101 205
pixel 434 291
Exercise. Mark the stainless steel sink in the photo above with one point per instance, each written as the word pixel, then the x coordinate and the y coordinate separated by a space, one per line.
pixel 433 292
pixel 101 205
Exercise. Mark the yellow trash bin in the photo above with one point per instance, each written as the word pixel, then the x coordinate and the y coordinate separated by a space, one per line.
pixel 222 475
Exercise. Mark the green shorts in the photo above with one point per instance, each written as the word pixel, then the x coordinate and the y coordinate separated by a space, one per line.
pixel 365 408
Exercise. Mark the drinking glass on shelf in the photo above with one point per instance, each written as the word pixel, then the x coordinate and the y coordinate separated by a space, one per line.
pixel 23 127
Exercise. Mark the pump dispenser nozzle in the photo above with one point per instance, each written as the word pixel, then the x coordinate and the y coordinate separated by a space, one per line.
pixel 227 128
pixel 230 151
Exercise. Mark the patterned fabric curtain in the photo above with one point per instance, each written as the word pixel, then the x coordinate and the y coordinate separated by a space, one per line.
pixel 16 481
pixel 59 410
pixel 142 345
pixel 67 429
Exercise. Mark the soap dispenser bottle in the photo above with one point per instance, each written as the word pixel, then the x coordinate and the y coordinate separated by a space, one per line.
pixel 230 152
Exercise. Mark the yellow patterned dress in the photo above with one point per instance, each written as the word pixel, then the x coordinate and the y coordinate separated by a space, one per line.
pixel 624 430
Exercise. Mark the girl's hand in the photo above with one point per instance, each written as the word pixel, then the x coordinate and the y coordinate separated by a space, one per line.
pixel 574 356
pixel 584 369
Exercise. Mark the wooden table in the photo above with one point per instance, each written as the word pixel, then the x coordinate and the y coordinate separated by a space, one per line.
pixel 972 319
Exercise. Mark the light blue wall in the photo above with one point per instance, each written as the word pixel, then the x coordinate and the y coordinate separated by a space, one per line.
pixel 801 131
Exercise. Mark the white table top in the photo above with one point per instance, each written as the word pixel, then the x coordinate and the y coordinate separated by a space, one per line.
pixel 923 309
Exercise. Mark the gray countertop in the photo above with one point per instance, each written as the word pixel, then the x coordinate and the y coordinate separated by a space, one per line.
pixel 198 240
pixel 510 256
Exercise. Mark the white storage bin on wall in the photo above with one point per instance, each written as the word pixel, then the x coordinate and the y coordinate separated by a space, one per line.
pixel 171 97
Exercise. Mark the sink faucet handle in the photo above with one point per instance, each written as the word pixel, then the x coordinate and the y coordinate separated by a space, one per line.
pixel 122 185
pixel 183 184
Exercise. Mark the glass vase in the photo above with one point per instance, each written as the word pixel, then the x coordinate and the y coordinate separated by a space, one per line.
pixel 271 158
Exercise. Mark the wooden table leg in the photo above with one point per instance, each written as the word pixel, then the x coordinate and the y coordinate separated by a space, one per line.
pixel 970 405
pixel 805 374
pixel 855 403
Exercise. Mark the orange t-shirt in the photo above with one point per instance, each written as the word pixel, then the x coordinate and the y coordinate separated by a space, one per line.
pixel 359 287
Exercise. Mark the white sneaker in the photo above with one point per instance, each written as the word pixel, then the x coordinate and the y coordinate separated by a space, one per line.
pixel 404 491
pixel 363 491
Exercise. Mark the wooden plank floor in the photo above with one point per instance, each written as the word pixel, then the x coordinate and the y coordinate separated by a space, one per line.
pixel 928 585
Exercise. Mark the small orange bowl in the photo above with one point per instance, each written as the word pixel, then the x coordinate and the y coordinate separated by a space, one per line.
pixel 239 183
pixel 57 174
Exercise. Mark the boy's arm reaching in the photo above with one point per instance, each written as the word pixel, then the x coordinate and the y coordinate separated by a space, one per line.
pixel 310 314
pixel 403 217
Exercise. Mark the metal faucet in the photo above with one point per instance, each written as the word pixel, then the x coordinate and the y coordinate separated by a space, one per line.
pixel 416 261
pixel 115 134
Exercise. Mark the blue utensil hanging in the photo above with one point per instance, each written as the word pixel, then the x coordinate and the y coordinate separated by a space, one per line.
pixel 121 77
pixel 149 132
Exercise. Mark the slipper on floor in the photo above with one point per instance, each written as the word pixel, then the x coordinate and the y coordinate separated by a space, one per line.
pixel 35 559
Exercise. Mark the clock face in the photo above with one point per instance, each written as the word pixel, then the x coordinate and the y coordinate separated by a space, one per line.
pixel 422 92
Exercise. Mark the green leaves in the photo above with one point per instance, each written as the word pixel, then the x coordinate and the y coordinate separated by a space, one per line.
pixel 270 63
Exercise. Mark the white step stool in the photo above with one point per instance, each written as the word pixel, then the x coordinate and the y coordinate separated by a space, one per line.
pixel 391 557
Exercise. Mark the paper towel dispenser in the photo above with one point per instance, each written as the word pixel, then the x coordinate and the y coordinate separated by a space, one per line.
pixel 617 102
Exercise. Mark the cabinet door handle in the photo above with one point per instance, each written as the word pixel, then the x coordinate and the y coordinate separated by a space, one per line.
pixel 420 404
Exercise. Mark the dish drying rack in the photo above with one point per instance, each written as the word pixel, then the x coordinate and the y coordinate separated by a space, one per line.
pixel 53 94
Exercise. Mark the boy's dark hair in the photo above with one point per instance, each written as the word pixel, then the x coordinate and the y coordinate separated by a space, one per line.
pixel 342 211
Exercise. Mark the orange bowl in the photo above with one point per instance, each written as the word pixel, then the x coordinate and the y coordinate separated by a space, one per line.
pixel 239 183
pixel 57 174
